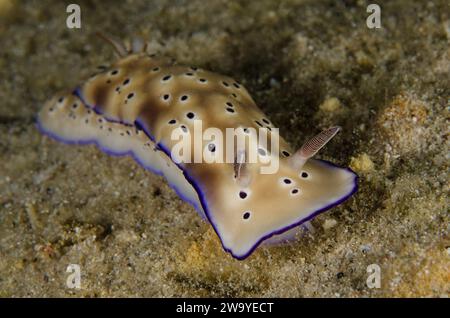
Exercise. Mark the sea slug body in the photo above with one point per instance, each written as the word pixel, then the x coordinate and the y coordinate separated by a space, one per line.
pixel 134 106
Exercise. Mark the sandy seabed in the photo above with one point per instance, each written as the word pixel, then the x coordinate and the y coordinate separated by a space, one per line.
pixel 308 65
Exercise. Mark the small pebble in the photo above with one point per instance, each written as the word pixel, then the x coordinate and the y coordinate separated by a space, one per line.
pixel 328 224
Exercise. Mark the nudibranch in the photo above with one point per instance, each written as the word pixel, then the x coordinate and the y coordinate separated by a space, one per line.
pixel 134 106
